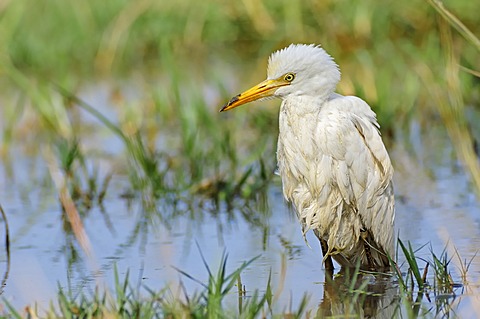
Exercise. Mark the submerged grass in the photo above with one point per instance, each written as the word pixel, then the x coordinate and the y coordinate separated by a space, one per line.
pixel 85 185
pixel 6 273
pixel 156 174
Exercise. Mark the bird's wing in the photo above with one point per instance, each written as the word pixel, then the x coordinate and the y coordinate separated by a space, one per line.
pixel 361 166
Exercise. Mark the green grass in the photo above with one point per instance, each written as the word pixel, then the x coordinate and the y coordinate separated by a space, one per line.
pixel 415 60
pixel 126 301
pixel 392 54
pixel 373 42
pixel 202 168
pixel 350 293
pixel 419 289
pixel 84 183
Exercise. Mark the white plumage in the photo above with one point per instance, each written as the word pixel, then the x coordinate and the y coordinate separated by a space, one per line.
pixel 334 167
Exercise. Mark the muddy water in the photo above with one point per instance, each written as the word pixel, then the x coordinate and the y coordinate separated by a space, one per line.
pixel 436 205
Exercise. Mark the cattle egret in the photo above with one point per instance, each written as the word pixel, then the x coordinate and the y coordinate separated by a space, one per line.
pixel 334 167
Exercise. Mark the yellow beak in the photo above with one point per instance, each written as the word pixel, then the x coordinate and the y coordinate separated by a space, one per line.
pixel 264 89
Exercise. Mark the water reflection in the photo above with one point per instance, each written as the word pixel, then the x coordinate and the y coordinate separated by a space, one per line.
pixel 353 294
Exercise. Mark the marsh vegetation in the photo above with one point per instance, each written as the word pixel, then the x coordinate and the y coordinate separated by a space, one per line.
pixel 128 195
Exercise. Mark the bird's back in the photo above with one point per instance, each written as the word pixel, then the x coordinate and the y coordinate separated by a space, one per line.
pixel 337 173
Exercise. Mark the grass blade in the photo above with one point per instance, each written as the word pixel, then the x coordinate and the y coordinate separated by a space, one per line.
pixel 456 23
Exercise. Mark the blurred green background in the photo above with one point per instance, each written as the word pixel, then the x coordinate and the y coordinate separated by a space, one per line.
pixel 402 57
pixel 382 47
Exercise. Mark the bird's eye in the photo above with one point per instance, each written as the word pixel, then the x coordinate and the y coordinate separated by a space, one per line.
pixel 289 77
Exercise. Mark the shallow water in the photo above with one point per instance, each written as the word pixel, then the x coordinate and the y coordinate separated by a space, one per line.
pixel 435 205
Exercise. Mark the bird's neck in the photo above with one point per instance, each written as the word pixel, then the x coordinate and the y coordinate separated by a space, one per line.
pixel 305 104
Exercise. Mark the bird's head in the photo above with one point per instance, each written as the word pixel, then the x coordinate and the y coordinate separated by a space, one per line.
pixel 297 70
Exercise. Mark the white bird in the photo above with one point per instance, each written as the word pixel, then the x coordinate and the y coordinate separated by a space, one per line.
pixel 334 167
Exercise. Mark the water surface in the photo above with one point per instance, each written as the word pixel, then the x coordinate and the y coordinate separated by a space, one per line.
pixel 435 205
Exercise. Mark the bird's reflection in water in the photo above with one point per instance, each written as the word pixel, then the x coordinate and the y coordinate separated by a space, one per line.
pixel 354 294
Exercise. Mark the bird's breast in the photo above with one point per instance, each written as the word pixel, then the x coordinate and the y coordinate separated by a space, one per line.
pixel 299 154
pixel 297 135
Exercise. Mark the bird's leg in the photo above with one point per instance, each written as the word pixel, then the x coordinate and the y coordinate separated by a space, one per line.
pixel 366 245
pixel 327 258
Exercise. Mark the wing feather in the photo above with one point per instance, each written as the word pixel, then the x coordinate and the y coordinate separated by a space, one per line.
pixel 339 179
pixel 363 171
